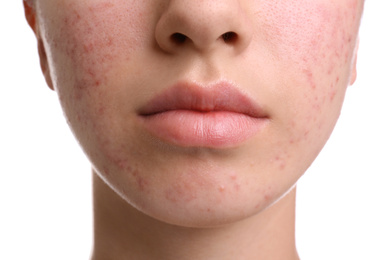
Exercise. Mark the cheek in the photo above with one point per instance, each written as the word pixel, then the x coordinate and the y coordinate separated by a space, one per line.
pixel 313 42
pixel 311 45
pixel 92 38
pixel 89 41
pixel 314 39
pixel 310 32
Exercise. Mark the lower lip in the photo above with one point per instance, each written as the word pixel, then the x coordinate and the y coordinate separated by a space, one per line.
pixel 190 128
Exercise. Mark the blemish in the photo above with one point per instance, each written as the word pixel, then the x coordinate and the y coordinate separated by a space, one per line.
pixel 141 183
pixel 268 193
pixel 332 95
pixel 233 177
pixel 101 111
pixel 280 161
pixel 90 72
pixel 310 78
pixel 222 188
pixel 180 192
pixel 121 163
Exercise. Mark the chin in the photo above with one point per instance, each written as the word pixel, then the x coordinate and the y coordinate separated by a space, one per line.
pixel 198 199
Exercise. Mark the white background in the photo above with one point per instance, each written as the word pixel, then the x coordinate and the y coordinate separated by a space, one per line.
pixel 45 193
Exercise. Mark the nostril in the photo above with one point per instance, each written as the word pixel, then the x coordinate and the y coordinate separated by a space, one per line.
pixel 229 37
pixel 178 38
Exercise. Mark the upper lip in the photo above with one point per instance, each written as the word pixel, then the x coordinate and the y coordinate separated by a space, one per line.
pixel 220 96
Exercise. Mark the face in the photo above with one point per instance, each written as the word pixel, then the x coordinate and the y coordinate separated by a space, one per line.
pixel 199 113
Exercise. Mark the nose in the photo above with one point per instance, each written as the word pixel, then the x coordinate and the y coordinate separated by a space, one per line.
pixel 203 25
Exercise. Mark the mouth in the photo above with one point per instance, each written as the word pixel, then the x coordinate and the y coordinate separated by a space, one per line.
pixel 191 115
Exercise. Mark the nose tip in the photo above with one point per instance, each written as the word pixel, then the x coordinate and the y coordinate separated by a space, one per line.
pixel 202 25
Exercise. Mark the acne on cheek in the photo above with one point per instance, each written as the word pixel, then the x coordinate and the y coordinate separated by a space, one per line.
pixel 281 160
pixel 315 39
pixel 95 37
pixel 315 36
pixel 142 182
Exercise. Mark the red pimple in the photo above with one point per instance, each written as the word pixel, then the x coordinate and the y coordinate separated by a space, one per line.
pixel 332 95
pixel 101 110
pixel 90 72
pixel 141 183
pixel 88 47
pixel 109 42
pixel 222 188
pixel 310 78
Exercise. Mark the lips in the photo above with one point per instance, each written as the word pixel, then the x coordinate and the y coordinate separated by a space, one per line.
pixel 192 115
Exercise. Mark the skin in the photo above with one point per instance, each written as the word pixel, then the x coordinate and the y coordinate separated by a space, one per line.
pixel 106 59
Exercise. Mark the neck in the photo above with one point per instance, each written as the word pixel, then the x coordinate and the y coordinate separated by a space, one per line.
pixel 122 232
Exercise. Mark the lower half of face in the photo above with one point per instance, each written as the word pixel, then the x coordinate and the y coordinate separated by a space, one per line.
pixel 199 119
